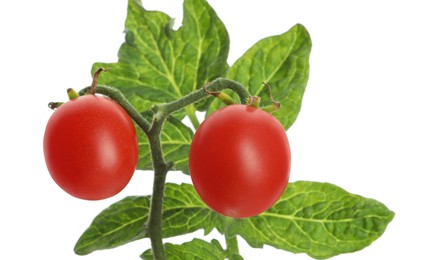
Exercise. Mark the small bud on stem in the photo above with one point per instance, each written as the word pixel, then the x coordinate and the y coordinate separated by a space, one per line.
pixel 220 95
pixel 72 94
pixel 54 105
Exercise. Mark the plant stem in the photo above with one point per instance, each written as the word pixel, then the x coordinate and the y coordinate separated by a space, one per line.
pixel 215 85
pixel 231 240
pixel 117 96
pixel 192 116
pixel 154 224
pixel 94 84
pixel 232 245
pixel 161 167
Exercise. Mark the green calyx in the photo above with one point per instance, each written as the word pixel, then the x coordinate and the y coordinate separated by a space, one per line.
pixel 253 101
pixel 227 100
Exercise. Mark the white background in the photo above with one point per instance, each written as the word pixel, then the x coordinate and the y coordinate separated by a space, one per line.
pixel 367 120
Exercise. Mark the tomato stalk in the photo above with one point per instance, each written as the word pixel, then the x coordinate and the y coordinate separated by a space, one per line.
pixel 94 84
pixel 253 101
pixel 232 246
pixel 160 165
pixel 220 95
pixel 275 104
pixel 117 96
pixel 190 110
pixel 231 241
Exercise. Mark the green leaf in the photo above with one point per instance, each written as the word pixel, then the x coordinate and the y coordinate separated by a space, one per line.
pixel 195 249
pixel 185 212
pixel 158 65
pixel 282 61
pixel 125 221
pixel 119 224
pixel 319 219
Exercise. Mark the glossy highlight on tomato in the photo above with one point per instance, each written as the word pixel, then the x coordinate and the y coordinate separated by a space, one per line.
pixel 90 147
pixel 240 161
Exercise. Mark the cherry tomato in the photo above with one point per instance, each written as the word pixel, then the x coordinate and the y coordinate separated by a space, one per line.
pixel 90 147
pixel 240 161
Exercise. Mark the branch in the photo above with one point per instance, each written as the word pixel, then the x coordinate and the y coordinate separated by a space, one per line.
pixel 117 96
pixel 161 167
pixel 215 85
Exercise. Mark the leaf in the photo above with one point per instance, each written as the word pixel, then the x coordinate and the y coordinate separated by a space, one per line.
pixel 119 224
pixel 185 212
pixel 319 219
pixel 282 61
pixel 195 249
pixel 125 221
pixel 158 64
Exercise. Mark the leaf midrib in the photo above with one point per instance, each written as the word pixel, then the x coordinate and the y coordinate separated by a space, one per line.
pixel 295 218
pixel 277 68
pixel 158 52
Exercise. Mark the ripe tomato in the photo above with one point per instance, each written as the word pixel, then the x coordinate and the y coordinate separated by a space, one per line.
pixel 240 161
pixel 90 147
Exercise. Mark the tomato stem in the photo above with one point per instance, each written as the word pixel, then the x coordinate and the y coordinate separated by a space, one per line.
pixel 117 96
pixel 253 101
pixel 192 116
pixel 160 165
pixel 215 85
pixel 220 95
pixel 231 241
pixel 94 84
pixel 275 104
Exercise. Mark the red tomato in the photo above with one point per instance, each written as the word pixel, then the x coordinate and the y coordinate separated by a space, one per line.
pixel 90 147
pixel 240 161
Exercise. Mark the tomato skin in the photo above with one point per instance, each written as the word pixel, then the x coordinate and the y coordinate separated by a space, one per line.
pixel 240 161
pixel 90 147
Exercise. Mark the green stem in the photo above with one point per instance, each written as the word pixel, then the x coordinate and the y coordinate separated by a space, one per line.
pixel 192 116
pixel 232 245
pixel 161 167
pixel 231 241
pixel 154 224
pixel 215 85
pixel 117 96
